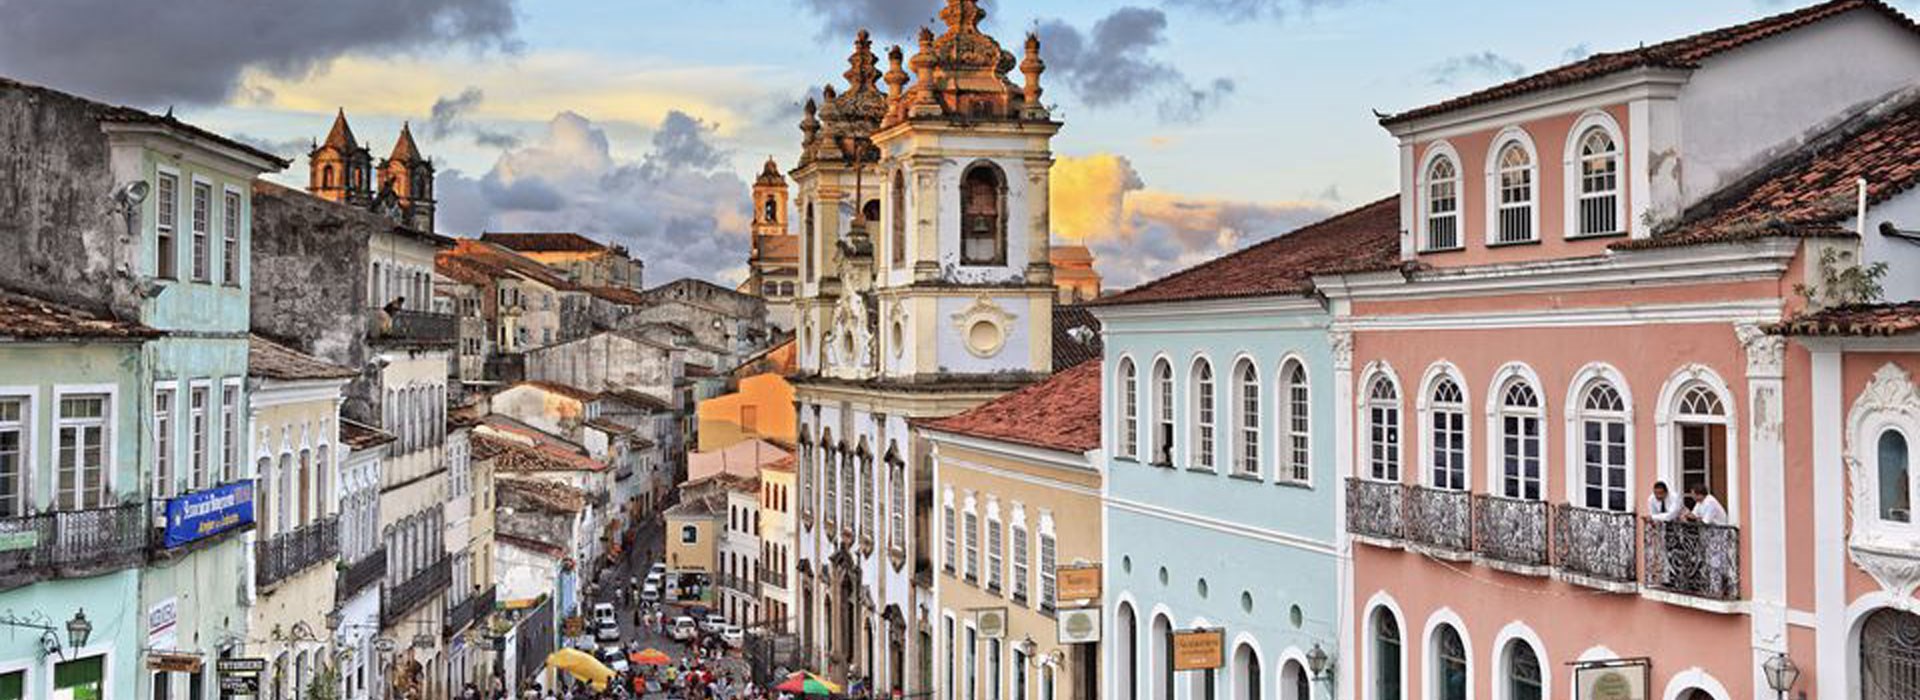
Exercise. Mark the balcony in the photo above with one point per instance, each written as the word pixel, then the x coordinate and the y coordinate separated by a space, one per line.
pixel 287 554
pixel 736 583
pixel 773 579
pixel 1693 559
pixel 416 591
pixel 356 577
pixel 1595 548
pixel 71 543
pixel 417 327
pixel 461 615
pixel 1375 510
pixel 1440 521
pixel 1511 533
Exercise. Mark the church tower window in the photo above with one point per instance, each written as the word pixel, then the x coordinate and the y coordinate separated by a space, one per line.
pixel 899 241
pixel 983 220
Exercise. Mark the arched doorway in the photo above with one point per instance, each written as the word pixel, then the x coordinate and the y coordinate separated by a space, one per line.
pixel 1246 674
pixel 1162 658
pixel 1890 656
pixel 1126 671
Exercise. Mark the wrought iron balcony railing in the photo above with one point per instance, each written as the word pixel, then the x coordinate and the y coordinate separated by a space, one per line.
pixel 1692 558
pixel 71 543
pixel 1510 530
pixel 1440 519
pixel 419 327
pixel 1595 544
pixel 476 606
pixel 286 554
pixel 410 594
pixel 776 579
pixel 360 574
pixel 1376 508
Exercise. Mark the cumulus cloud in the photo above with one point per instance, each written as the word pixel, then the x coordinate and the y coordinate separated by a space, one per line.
pixel 894 19
pixel 195 51
pixel 1138 234
pixel 450 115
pixel 1111 65
pixel 1242 10
pixel 675 207
pixel 1474 67
pixel 1576 52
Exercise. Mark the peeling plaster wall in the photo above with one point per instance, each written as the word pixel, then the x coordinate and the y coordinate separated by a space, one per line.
pixel 309 264
pixel 56 182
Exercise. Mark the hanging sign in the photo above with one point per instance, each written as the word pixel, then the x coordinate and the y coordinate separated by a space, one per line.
pixel 1198 650
pixel 1614 679
pixel 208 512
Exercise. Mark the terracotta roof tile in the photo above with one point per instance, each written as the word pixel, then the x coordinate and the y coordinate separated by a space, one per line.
pixel 571 392
pixel 1366 238
pixel 608 426
pixel 362 437
pixel 1861 320
pixel 497 261
pixel 1068 350
pixel 1685 52
pixel 510 455
pixel 545 242
pixel 548 495
pixel 1061 413
pixel 637 399
pixel 618 295
pixel 271 360
pixel 24 317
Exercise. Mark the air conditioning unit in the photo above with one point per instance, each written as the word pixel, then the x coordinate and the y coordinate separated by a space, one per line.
pixel 991 622
pixel 1078 625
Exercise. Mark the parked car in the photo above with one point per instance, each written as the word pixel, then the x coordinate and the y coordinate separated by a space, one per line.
pixel 712 623
pixel 659 568
pixel 684 629
pixel 650 593
pixel 606 623
pixel 733 636
pixel 613 657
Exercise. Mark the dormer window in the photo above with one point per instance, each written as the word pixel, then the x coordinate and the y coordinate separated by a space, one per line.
pixel 1514 185
pixel 1443 204
pixel 983 221
pixel 1599 204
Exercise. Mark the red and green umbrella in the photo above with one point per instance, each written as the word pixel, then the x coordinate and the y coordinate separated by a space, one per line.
pixel 804 683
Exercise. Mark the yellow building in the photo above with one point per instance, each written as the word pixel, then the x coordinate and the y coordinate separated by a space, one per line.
pixel 693 533
pixel 1018 490
pixel 762 407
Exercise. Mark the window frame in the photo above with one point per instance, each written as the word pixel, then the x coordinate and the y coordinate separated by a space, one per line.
pixel 1385 452
pixel 1002 231
pixel 200 230
pixel 199 434
pixel 1440 153
pixel 1499 411
pixel 1243 402
pixel 166 223
pixel 1577 417
pixel 1574 178
pixel 1203 416
pixel 1438 660
pixel 970 543
pixel 233 222
pixel 996 549
pixel 1431 408
pixel 1294 392
pixel 1495 187
pixel 1164 436
pixel 108 447
pixel 164 436
pixel 1020 552
pixel 25 481
pixel 1669 423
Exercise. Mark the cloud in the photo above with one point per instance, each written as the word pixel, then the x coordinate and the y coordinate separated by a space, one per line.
pixel 893 19
pixel 1475 67
pixel 1138 234
pixel 450 116
pixel 196 51
pixel 285 148
pixel 1576 52
pixel 1243 10
pixel 1110 65
pixel 675 207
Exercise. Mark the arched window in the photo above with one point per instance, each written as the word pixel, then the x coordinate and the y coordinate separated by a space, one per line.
pixel 1701 419
pixel 1128 672
pixel 1890 655
pixel 847 493
pixel 983 217
pixel 1599 183
pixel 1449 663
pixel 866 495
pixel 1162 659
pixel 1386 656
pixel 1896 500
pixel 1603 448
pixel 829 478
pixel 1163 413
pixel 770 212
pixel 1129 394
pixel 1522 672
pixel 1246 419
pixel 1443 204
pixel 870 212
pixel 808 235
pixel 1383 430
pixel 1447 435
pixel 267 505
pixel 1294 682
pixel 898 242
pixel 1201 452
pixel 1519 423
pixel 1297 465
pixel 326 176
pixel 1246 673
pixel 1514 181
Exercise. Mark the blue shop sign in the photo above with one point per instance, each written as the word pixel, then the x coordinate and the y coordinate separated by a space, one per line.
pixel 206 513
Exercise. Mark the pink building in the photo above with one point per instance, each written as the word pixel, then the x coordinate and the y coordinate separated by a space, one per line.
pixel 1598 265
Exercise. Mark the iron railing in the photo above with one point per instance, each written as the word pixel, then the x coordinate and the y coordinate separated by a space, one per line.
pixel 289 553
pixel 410 594
pixel 477 605
pixel 1439 518
pixel 71 543
pixel 360 574
pixel 420 327
pixel 1598 544
pixel 1510 530
pixel 1692 558
pixel 1376 508
pixel 770 577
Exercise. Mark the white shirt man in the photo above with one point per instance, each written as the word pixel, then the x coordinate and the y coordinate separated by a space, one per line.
pixel 1708 510
pixel 1661 505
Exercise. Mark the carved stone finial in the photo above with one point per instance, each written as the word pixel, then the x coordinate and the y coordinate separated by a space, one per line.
pixel 810 124
pixel 896 76
pixel 1032 67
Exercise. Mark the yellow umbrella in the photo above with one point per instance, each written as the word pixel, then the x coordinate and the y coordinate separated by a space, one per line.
pixel 583 666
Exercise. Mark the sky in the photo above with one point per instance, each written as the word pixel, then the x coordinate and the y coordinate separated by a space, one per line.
pixel 1193 127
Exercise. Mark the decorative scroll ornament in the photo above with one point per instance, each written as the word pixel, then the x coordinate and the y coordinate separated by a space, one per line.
pixel 1883 552
pixel 984 327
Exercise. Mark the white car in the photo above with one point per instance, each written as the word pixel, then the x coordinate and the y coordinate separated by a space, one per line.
pixel 613 657
pixel 606 623
pixel 713 623
pixel 650 593
pixel 684 629
pixel 659 568
pixel 733 636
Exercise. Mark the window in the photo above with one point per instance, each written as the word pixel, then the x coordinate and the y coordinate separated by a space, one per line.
pixel 993 669
pixel 230 431
pixel 1523 672
pixel 1514 179
pixel 166 217
pixel 1298 424
pixel 1386 656
pixel 1450 667
pixel 1519 418
pixel 1021 562
pixel 1202 450
pixel 202 221
pixel 81 478
pixel 689 534
pixel 973 546
pixel 1383 430
pixel 1162 413
pixel 867 523
pixel 1896 501
pixel 197 432
pixel 830 475
pixel 1129 411
pixel 947 690
pixel 899 240
pixel 1247 419
pixel 808 234
pixel 983 218
pixel 1046 568
pixel 1019 670
pixel 1599 206
pixel 1443 204
pixel 996 552
pixel 230 240
pixel 947 535
pixel 1447 435
pixel 1702 423
pixel 847 492
pixel 14 429
pixel 1603 448
pixel 163 452
pixel 897 506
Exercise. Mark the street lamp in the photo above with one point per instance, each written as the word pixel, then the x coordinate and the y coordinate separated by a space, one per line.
pixel 1319 663
pixel 78 629
pixel 1782 673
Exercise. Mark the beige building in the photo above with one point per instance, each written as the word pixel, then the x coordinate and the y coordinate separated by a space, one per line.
pixel 1019 494
pixel 693 533
pixel 776 572
pixel 470 538
pixel 582 260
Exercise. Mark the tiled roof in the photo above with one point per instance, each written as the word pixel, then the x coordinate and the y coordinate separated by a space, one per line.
pixel 637 399
pixel 744 458
pixel 1061 413
pixel 784 464
pixel 1860 320
pixel 698 370
pixel 1068 350
pixel 272 360
pixel 362 437
pixel 497 261
pixel 24 317
pixel 547 495
pixel 571 392
pixel 1814 190
pixel 608 426
pixel 618 295
pixel 1683 53
pixel 544 242
pixel 1367 238
pixel 510 455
